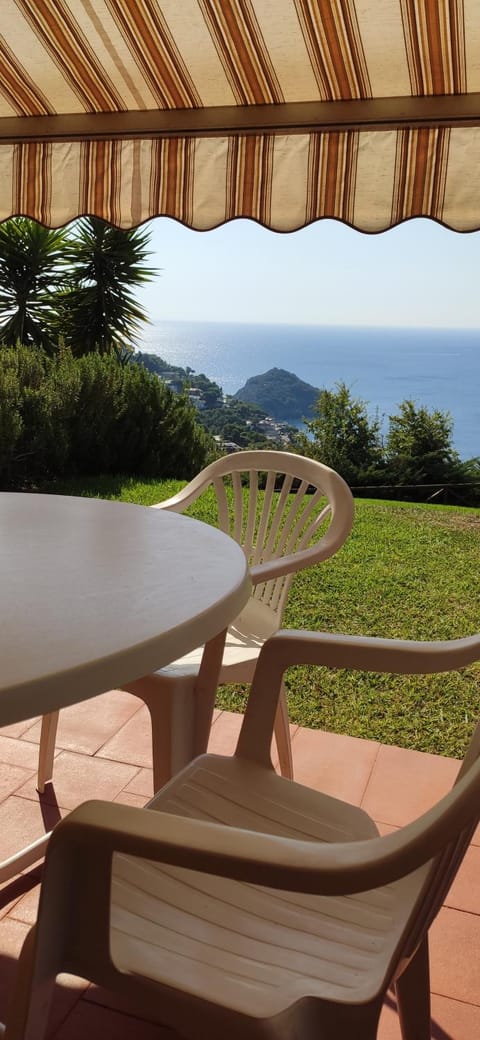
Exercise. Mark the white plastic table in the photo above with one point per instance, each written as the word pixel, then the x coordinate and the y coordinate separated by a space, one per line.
pixel 94 594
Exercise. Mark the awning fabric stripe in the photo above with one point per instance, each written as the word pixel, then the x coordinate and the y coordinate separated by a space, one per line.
pixel 69 57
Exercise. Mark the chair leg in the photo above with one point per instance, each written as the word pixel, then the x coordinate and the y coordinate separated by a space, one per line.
pixel 282 736
pixel 171 704
pixel 46 752
pixel 413 996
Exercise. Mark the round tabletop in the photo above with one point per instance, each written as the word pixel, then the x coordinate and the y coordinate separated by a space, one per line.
pixel 94 594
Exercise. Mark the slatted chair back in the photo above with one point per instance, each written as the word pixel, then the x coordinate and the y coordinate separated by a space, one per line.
pixel 278 506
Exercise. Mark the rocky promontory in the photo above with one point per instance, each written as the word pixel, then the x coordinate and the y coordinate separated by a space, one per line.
pixel 281 394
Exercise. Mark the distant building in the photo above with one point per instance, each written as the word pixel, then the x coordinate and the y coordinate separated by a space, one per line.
pixel 271 429
pixel 172 380
pixel 196 398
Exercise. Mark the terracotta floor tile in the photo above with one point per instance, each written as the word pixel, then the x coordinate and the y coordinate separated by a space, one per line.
pixel 451 1020
pixel 12 935
pixel 97 1022
pixel 23 821
pixel 465 891
pixel 126 798
pixel 133 742
pixel 404 784
pixel 11 778
pixel 85 727
pixel 389 1027
pixel 142 784
pixel 16 729
pixel 12 891
pixel 80 777
pixel 454 1020
pixel 224 733
pixel 25 909
pixel 18 753
pixel 336 764
pixel 455 955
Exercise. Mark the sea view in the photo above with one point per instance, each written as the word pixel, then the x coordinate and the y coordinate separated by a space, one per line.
pixel 438 368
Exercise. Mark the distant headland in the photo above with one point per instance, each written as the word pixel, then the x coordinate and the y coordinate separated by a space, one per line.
pixel 281 394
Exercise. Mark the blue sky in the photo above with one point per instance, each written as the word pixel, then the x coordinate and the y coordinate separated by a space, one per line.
pixel 418 274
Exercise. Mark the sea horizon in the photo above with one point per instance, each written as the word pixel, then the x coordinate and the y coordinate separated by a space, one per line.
pixel 436 368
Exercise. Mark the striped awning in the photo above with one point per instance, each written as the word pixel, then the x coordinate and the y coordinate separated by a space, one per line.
pixel 284 111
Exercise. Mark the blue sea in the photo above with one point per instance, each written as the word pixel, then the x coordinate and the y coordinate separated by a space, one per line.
pixel 438 368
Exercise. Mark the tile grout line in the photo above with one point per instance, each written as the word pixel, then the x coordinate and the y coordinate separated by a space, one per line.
pixel 117 731
pixel 457 1000
pixel 379 746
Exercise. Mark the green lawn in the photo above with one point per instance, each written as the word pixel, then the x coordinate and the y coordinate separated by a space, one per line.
pixel 409 571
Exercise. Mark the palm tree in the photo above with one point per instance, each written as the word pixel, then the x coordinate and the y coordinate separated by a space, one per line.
pixel 32 268
pixel 99 309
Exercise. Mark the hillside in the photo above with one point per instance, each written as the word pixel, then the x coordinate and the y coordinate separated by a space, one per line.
pixel 229 419
pixel 281 394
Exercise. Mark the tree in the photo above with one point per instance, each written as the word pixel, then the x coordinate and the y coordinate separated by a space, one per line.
pixel 344 437
pixel 74 284
pixel 99 311
pixel 32 271
pixel 419 446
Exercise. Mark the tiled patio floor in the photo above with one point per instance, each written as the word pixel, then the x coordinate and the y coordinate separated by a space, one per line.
pixel 104 752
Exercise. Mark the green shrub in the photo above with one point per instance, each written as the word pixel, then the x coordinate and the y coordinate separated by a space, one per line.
pixel 11 421
pixel 64 416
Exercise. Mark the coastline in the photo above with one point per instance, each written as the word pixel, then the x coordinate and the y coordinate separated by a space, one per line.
pixel 437 368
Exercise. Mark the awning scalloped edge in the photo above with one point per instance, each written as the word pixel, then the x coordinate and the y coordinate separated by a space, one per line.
pixel 370 180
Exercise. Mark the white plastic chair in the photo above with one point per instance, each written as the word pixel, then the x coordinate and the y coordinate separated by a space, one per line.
pixel 303 516
pixel 245 905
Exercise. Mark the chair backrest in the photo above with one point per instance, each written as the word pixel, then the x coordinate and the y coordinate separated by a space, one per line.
pixel 279 507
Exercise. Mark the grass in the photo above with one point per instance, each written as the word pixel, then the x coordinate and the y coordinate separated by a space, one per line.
pixel 407 570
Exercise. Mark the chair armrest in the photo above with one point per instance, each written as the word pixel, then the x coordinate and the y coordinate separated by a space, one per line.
pixel 179 502
pixel 184 498
pixel 96 830
pixel 287 648
pixel 327 546
pixel 291 563
pixel 361 653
